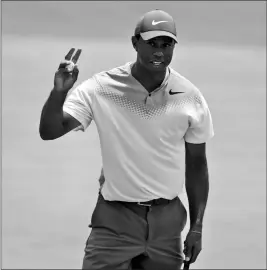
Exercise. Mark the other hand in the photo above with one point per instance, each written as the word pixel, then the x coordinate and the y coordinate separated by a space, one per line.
pixel 192 245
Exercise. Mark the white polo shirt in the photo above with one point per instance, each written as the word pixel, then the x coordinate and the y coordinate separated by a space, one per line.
pixel 142 136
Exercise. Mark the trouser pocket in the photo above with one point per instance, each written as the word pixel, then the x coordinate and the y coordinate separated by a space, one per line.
pixel 182 213
pixel 100 200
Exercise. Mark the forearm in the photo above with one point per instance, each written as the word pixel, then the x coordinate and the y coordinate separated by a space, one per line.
pixel 51 122
pixel 197 188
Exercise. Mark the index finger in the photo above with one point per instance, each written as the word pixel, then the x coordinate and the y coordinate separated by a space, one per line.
pixel 69 54
pixel 195 252
pixel 76 56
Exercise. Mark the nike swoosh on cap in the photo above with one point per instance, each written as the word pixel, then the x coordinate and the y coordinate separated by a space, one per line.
pixel 155 23
pixel 173 93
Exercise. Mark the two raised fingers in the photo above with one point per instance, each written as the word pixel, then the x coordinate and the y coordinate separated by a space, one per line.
pixel 75 58
pixel 70 62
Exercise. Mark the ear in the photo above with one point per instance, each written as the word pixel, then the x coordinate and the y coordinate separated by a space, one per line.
pixel 134 42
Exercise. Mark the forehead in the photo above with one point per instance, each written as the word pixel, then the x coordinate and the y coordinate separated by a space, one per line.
pixel 162 39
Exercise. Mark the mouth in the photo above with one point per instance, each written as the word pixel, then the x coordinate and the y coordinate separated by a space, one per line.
pixel 157 63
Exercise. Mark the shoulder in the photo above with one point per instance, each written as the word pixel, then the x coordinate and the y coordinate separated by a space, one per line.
pixel 114 75
pixel 86 87
pixel 98 80
pixel 104 77
pixel 180 83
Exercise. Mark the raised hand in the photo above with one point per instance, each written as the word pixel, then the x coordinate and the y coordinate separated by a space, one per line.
pixel 67 73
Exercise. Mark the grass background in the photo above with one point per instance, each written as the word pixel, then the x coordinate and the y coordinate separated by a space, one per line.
pixel 49 189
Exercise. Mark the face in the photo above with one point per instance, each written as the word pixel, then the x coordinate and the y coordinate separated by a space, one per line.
pixel 154 54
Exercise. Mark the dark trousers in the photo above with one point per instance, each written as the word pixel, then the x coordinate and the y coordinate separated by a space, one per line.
pixel 126 236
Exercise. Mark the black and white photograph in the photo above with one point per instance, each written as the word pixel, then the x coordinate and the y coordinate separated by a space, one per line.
pixel 133 135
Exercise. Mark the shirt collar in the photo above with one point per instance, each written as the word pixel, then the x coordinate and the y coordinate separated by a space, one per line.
pixel 164 83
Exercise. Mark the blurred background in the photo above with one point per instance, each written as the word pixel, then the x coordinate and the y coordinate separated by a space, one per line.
pixel 49 188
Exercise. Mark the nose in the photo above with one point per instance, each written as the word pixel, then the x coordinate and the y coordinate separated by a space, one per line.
pixel 158 54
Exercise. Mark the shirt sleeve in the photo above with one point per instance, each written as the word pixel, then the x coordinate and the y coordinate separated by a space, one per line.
pixel 200 121
pixel 79 103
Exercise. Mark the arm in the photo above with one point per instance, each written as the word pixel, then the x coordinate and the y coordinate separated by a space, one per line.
pixel 197 183
pixel 54 122
pixel 196 173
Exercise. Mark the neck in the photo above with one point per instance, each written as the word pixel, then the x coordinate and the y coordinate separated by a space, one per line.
pixel 149 79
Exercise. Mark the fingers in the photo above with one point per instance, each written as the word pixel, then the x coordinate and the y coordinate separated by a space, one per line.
pixel 194 254
pixel 69 54
pixel 192 251
pixel 76 56
pixel 67 65
pixel 187 251
pixel 63 64
pixel 75 73
pixel 186 265
pixel 70 62
pixel 62 72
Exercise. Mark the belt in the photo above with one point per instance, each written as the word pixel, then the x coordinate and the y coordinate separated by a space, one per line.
pixel 159 201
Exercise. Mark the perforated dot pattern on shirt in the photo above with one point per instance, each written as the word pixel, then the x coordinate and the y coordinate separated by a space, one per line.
pixel 148 110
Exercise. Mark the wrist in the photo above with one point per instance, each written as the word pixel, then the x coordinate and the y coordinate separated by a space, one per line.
pixel 60 91
pixel 59 94
pixel 196 227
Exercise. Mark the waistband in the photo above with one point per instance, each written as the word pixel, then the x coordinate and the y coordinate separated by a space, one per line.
pixel 159 201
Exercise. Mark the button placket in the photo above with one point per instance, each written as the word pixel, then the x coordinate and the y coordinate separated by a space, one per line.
pixel 149 101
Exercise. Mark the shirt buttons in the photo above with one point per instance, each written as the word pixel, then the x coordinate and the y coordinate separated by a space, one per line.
pixel 149 101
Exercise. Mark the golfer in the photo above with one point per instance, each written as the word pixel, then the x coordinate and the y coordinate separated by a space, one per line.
pixel 153 126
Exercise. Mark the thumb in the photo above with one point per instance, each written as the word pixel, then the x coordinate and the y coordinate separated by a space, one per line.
pixel 188 252
pixel 187 258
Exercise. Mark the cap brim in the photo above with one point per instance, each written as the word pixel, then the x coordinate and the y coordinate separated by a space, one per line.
pixel 152 34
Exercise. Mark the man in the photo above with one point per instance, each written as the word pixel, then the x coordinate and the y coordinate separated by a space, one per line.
pixel 150 120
